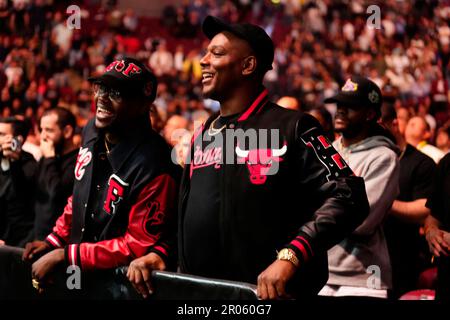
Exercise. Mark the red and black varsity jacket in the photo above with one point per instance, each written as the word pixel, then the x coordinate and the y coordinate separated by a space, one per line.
pixel 139 202
pixel 309 204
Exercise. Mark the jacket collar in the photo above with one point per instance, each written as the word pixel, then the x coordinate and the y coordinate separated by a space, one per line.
pixel 256 106
pixel 120 153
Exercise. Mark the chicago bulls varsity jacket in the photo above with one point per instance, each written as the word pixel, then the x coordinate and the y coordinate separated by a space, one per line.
pixel 310 203
pixel 139 212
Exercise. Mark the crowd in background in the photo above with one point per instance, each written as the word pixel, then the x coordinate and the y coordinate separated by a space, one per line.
pixel 44 63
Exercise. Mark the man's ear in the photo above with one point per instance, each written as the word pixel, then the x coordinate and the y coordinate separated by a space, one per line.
pixel 249 65
pixel 427 135
pixel 67 132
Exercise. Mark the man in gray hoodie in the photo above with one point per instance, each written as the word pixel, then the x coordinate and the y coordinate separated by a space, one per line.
pixel 360 265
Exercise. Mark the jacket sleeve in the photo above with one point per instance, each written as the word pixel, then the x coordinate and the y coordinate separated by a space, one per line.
pixel 61 231
pixel 147 230
pixel 337 197
pixel 381 181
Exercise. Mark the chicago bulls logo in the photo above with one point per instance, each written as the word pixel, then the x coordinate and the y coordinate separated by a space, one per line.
pixel 259 161
pixel 116 191
pixel 83 159
pixel 154 220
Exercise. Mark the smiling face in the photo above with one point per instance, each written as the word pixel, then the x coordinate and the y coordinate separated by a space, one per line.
pixel 117 110
pixel 223 65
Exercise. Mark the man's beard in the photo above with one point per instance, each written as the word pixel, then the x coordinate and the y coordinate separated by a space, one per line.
pixel 59 146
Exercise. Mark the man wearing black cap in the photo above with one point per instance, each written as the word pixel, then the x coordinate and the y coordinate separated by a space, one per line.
pixel 360 264
pixel 125 190
pixel 260 179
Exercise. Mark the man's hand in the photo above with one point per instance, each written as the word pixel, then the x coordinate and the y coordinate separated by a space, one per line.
pixel 7 148
pixel 272 281
pixel 47 148
pixel 33 248
pixel 45 265
pixel 2 243
pixel 446 236
pixel 436 242
pixel 140 272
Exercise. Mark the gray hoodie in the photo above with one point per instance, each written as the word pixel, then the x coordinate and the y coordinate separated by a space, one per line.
pixel 353 261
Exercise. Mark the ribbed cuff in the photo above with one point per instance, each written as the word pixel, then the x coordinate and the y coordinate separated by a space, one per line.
pixel 302 248
pixel 72 255
pixel 55 241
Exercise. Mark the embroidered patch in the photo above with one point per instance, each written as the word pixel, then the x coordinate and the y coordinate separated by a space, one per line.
pixel 116 191
pixel 326 154
pixel 119 66
pixel 153 220
pixel 83 159
pixel 350 86
pixel 374 97
pixel 260 161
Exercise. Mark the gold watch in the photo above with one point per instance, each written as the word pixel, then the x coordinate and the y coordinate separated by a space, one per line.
pixel 289 255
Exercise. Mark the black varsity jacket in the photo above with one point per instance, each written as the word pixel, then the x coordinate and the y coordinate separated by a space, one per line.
pixel 139 202
pixel 310 202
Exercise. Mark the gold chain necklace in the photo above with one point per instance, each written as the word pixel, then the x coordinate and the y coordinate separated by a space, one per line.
pixel 106 145
pixel 213 131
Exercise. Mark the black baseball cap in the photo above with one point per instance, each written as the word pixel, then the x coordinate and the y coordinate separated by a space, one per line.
pixel 359 92
pixel 128 74
pixel 254 35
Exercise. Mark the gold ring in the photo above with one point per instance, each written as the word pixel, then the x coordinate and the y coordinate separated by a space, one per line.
pixel 36 285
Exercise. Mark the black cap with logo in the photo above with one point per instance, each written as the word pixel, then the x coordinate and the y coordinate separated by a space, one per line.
pixel 128 74
pixel 359 92
pixel 254 35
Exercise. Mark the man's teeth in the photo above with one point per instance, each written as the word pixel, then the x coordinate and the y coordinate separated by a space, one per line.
pixel 207 75
pixel 104 111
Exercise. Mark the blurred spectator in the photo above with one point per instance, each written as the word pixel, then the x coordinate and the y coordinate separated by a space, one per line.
pixel 407 248
pixel 61 33
pixel 443 139
pixel 55 171
pixel 178 58
pixel 191 64
pixel 289 103
pixel 326 121
pixel 182 148
pixel 174 129
pixel 130 20
pixel 17 172
pixel 161 61
pixel 417 133
pixel 437 227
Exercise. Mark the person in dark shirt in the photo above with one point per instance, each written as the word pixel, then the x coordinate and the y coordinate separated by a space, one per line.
pixel 437 226
pixel 17 172
pixel 407 248
pixel 16 183
pixel 55 173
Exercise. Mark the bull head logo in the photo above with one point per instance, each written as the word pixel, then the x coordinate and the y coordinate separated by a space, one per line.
pixel 259 161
